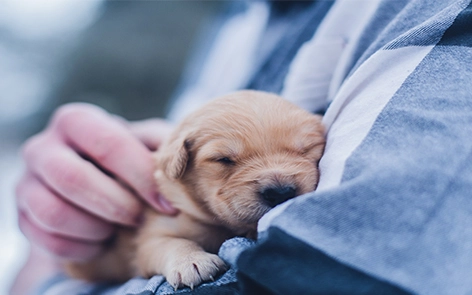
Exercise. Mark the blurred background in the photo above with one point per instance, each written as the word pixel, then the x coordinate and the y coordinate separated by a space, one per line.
pixel 125 56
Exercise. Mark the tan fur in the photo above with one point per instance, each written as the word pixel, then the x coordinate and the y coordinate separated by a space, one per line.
pixel 213 169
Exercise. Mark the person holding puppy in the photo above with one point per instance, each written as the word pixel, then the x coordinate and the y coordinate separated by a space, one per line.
pixel 391 214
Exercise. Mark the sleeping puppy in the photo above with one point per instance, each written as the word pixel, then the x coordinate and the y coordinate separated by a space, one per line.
pixel 223 167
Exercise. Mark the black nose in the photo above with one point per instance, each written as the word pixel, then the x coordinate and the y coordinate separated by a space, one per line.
pixel 276 195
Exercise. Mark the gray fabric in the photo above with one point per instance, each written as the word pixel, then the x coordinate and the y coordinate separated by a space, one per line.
pixel 200 53
pixel 416 23
pixel 229 252
pixel 403 211
pixel 225 284
pixel 306 18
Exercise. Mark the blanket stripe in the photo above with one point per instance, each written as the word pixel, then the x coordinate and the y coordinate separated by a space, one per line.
pixel 395 192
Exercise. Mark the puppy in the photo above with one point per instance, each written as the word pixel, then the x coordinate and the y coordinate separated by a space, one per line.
pixel 223 167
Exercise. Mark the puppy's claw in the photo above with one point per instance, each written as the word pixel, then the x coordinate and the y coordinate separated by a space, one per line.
pixel 175 286
pixel 175 280
pixel 194 269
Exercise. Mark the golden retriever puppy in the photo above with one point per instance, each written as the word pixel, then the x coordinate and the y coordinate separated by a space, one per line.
pixel 223 167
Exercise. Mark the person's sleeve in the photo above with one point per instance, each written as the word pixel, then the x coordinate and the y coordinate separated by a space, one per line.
pixel 393 211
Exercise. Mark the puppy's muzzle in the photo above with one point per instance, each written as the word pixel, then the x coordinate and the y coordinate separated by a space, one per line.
pixel 275 195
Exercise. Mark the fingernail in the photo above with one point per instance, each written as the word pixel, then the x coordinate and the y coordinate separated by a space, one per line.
pixel 164 205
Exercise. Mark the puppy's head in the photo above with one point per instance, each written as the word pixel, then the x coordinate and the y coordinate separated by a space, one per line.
pixel 243 154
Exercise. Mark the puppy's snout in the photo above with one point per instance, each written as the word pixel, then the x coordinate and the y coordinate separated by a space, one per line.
pixel 276 195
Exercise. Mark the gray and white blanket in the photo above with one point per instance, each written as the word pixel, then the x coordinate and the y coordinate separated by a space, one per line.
pixel 393 211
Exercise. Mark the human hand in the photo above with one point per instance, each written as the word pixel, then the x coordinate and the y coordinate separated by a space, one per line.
pixel 86 172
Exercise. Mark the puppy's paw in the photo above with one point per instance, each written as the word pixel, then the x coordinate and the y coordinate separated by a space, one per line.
pixel 193 269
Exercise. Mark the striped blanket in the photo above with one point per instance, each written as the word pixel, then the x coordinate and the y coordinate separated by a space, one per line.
pixel 393 210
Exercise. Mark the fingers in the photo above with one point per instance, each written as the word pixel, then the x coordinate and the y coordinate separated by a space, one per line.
pixel 80 182
pixel 113 147
pixel 52 214
pixel 151 132
pixel 59 246
pixel 84 173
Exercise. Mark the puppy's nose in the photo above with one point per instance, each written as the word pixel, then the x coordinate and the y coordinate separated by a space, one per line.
pixel 276 195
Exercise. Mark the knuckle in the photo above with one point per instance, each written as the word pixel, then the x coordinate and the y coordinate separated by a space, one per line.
pixel 23 190
pixel 71 112
pixel 47 210
pixel 100 143
pixel 31 146
pixel 53 216
pixel 106 147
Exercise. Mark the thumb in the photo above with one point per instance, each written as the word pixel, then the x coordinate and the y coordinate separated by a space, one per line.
pixel 151 132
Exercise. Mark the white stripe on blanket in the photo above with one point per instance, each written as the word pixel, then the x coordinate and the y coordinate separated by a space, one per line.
pixel 355 107
pixel 321 63
pixel 349 120
pixel 359 102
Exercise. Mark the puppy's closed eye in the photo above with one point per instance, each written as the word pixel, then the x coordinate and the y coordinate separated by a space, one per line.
pixel 227 161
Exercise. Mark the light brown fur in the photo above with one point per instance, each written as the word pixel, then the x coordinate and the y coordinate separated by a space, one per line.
pixel 215 168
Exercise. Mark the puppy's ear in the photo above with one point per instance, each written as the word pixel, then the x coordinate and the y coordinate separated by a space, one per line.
pixel 173 157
